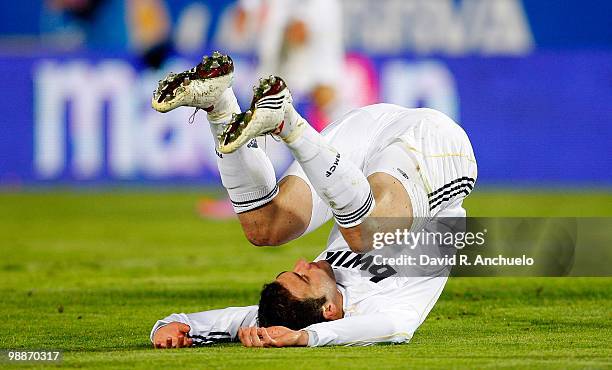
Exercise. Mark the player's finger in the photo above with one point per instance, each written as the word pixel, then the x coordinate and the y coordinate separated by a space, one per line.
pixel 247 340
pixel 267 339
pixel 255 337
pixel 169 342
pixel 188 342
pixel 244 338
pixel 251 336
pixel 184 328
pixel 180 341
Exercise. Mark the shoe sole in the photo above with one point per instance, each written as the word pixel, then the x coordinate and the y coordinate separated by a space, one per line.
pixel 197 87
pixel 261 118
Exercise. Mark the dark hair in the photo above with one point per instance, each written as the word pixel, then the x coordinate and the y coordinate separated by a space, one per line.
pixel 278 307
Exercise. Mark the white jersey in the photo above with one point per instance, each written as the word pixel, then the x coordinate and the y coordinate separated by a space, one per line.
pixel 432 157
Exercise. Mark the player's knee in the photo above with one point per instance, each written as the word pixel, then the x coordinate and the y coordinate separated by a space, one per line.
pixel 355 239
pixel 256 238
pixel 359 247
pixel 263 237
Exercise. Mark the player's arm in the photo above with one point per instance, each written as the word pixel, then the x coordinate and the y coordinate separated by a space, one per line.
pixel 275 336
pixel 393 209
pixel 201 328
pixel 382 327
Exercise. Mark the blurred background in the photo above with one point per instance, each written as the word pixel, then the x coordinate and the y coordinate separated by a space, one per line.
pixel 531 81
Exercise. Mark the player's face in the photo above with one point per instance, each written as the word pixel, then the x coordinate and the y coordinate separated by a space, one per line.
pixel 309 280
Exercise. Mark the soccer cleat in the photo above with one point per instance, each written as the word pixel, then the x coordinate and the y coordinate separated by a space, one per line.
pixel 265 115
pixel 198 87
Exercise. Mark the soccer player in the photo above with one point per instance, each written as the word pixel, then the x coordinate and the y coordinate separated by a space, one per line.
pixel 377 162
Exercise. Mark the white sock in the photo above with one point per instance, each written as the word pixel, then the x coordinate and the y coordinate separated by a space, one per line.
pixel 221 112
pixel 247 174
pixel 335 179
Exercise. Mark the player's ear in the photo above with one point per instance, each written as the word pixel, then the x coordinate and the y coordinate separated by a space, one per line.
pixel 330 311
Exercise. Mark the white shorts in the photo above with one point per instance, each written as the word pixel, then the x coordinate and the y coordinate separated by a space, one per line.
pixel 423 149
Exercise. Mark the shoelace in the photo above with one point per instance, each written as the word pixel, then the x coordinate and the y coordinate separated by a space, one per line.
pixel 192 117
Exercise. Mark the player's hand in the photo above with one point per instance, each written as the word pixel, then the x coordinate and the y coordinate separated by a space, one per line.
pixel 274 336
pixel 173 335
pixel 296 33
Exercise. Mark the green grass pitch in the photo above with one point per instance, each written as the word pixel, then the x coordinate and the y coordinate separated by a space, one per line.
pixel 89 273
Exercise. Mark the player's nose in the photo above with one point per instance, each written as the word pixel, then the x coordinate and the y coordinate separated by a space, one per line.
pixel 301 265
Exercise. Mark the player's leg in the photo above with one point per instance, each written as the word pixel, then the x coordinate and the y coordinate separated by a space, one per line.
pixel 270 214
pixel 447 165
pixel 435 163
pixel 340 183
pixel 283 218
pixel 336 180
pixel 422 175
pixel 247 174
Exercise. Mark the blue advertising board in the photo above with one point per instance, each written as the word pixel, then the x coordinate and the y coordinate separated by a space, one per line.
pixel 545 118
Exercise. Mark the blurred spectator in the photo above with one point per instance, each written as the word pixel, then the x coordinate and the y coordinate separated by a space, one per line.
pixel 191 23
pixel 149 30
pixel 300 40
pixel 142 26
